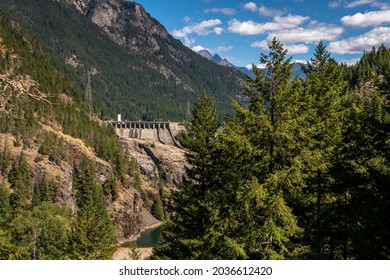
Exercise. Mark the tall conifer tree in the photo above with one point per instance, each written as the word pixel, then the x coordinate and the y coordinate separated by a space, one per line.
pixel 184 236
pixel 20 181
pixel 324 89
pixel 93 232
pixel 259 163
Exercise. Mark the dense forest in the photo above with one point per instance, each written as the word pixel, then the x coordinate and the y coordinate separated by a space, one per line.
pixel 301 172
pixel 35 223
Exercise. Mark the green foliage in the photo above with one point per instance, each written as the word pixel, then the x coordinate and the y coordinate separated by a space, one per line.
pixel 20 180
pixel 258 162
pixel 43 233
pixel 5 157
pixel 44 190
pixel 67 115
pixel 111 188
pixel 300 172
pixel 53 146
pixel 185 235
pixel 363 168
pixel 324 88
pixel 93 232
pixel 157 209
pixel 5 208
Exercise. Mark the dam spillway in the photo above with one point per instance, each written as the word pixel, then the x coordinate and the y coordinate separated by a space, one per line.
pixel 164 132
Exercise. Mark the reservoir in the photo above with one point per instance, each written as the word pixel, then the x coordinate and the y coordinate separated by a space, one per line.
pixel 148 238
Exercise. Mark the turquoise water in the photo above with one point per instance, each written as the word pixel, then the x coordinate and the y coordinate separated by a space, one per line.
pixel 148 238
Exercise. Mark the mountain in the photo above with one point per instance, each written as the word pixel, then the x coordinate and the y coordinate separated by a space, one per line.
pixel 206 54
pixel 296 69
pixel 224 62
pixel 135 66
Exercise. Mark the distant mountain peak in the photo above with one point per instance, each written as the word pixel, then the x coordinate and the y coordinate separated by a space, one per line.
pixel 216 59
pixel 224 62
pixel 206 54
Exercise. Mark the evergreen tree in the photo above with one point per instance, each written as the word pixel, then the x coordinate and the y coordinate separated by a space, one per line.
pixel 184 236
pixel 43 190
pixel 43 232
pixel 157 209
pixel 5 209
pixel 20 181
pixel 324 91
pixel 5 157
pixel 259 164
pixel 363 167
pixel 93 232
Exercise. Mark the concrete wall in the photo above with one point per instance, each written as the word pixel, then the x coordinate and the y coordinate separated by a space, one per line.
pixel 165 132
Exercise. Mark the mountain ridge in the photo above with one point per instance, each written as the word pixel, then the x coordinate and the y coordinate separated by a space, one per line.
pixel 137 68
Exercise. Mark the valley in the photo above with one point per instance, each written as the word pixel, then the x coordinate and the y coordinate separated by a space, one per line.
pixel 288 160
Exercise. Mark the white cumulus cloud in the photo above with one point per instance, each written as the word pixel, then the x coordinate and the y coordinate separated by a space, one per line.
pixel 199 48
pixel 254 28
pixel 367 19
pixel 251 6
pixel 203 28
pixel 263 10
pixel 292 49
pixel 363 42
pixel 295 49
pixel 313 33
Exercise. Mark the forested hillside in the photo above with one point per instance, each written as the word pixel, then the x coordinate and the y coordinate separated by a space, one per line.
pixel 52 203
pixel 150 76
pixel 301 172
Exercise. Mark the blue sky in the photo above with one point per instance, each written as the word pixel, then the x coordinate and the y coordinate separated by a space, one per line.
pixel 239 30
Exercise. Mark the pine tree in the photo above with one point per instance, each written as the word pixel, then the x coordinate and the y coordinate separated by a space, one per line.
pixel 5 157
pixel 363 167
pixel 20 180
pixel 184 236
pixel 259 164
pixel 157 209
pixel 93 232
pixel 5 209
pixel 324 89
pixel 43 191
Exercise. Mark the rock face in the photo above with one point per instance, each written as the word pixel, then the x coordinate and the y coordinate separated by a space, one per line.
pixel 158 161
pixel 130 212
pixel 128 24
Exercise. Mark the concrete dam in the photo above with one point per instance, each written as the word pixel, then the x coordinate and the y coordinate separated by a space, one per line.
pixel 164 132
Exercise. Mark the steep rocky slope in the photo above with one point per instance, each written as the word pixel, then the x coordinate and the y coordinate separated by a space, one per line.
pixel 130 211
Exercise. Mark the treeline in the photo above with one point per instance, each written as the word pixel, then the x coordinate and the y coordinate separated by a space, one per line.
pixel 34 223
pixel 301 172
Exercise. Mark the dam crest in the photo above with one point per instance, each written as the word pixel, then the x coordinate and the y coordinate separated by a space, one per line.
pixel 164 132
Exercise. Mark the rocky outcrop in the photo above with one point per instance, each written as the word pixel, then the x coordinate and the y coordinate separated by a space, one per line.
pixel 128 24
pixel 158 161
